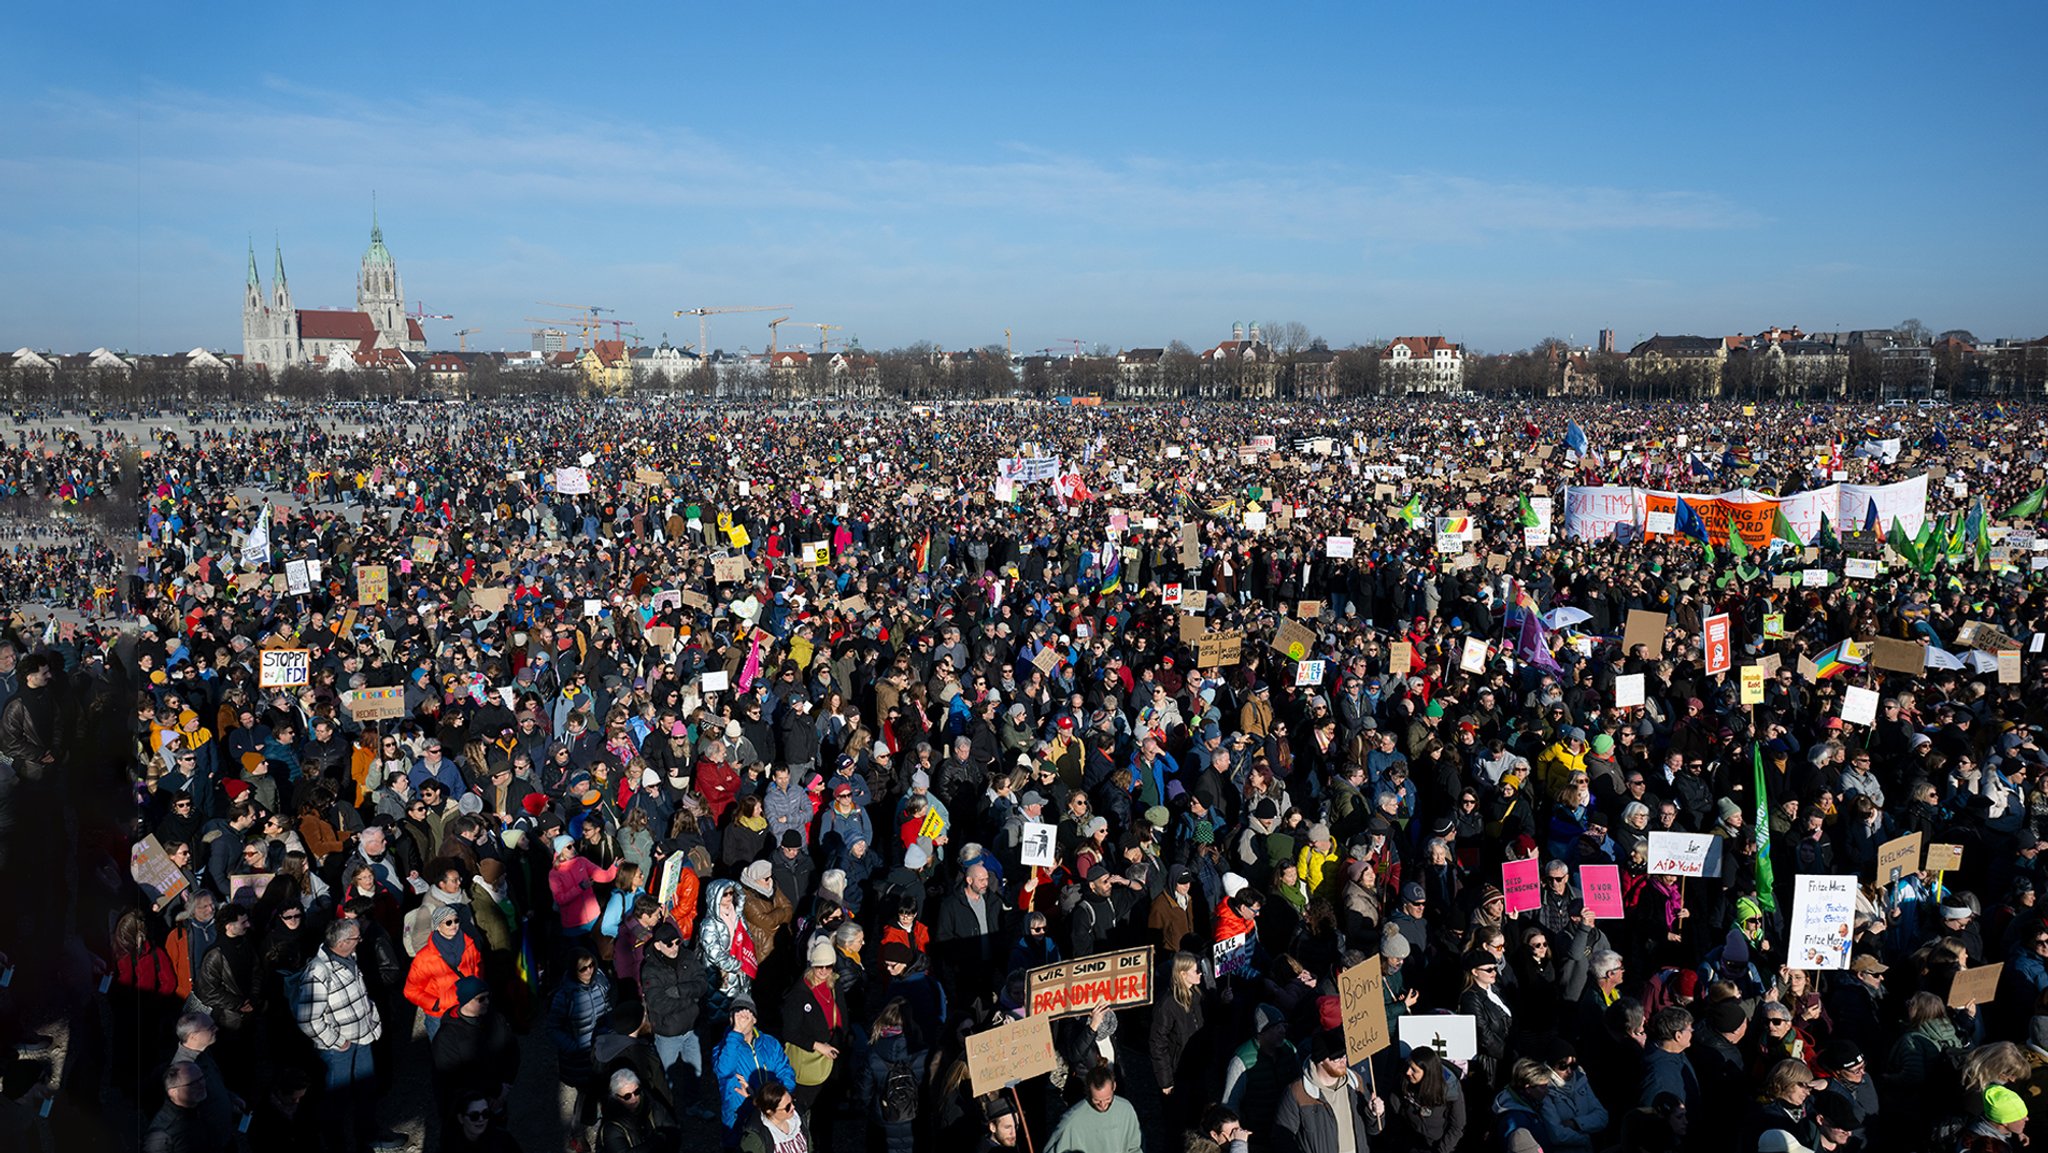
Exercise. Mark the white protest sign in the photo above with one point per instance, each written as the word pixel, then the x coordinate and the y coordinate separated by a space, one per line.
pixel 572 481
pixel 1680 854
pixel 1628 690
pixel 1859 706
pixel 1454 1036
pixel 1473 659
pixel 1860 567
pixel 1040 845
pixel 1813 578
pixel 715 681
pixel 1308 673
pixel 1339 547
pixel 1823 922
pixel 297 581
pixel 284 668
pixel 1664 523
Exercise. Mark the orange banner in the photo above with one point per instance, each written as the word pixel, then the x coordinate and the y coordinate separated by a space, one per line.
pixel 1753 519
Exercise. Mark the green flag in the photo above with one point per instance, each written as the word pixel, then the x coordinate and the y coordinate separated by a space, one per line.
pixel 1737 547
pixel 1902 544
pixel 1781 529
pixel 1766 884
pixel 1826 538
pixel 2027 507
pixel 1528 518
pixel 1411 510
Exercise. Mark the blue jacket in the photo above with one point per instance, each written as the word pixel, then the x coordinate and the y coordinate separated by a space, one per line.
pixel 740 1060
pixel 575 1018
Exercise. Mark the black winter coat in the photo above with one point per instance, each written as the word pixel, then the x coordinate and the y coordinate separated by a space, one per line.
pixel 1175 1057
pixel 473 1054
pixel 673 991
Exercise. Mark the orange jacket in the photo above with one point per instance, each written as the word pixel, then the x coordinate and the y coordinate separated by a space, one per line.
pixel 682 909
pixel 430 983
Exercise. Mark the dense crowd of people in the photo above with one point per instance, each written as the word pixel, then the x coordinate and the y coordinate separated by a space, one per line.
pixel 715 741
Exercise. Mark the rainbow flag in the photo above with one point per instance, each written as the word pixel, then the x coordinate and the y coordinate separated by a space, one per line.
pixel 1112 570
pixel 1837 659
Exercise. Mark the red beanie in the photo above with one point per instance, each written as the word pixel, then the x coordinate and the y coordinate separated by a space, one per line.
pixel 533 803
pixel 1330 1012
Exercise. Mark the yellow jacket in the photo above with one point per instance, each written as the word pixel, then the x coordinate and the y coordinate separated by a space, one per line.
pixel 1556 764
pixel 1314 867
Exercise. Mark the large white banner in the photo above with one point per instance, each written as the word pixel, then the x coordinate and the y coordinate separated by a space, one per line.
pixel 1026 469
pixel 1823 922
pixel 1597 512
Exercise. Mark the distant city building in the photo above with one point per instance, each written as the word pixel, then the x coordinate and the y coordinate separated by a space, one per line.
pixel 550 340
pixel 666 364
pixel 276 336
pixel 1412 364
pixel 1606 340
pixel 1691 364
pixel 1243 367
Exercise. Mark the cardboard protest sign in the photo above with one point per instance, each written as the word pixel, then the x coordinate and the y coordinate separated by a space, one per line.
pixel 1943 858
pixel 2008 666
pixel 1600 887
pixel 424 548
pixel 1454 1036
pixel 1975 986
pixel 1361 999
pixel 1519 884
pixel 1114 979
pixel 1899 656
pixel 726 569
pixel 1047 659
pixel 373 584
pixel 1011 1052
pixel 1898 857
pixel 1308 610
pixel 650 478
pixel 1979 635
pixel 368 705
pixel 491 600
pixel 1401 658
pixel 1039 845
pixel 661 637
pixel 1293 640
pixel 1823 919
pixel 1192 630
pixel 150 865
pixel 1680 854
pixel 1219 649
pixel 1232 955
pixel 284 668
pixel 1644 628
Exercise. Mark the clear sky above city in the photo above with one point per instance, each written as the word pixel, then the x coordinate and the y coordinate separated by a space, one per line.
pixel 1119 173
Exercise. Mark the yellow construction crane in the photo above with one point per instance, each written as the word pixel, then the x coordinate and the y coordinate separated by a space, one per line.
pixel 462 336
pixel 703 347
pixel 824 332
pixel 771 333
pixel 587 324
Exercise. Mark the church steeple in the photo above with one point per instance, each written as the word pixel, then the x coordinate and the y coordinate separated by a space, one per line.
pixel 253 282
pixel 279 274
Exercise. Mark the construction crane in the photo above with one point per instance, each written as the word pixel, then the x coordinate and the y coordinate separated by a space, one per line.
pixel 462 336
pixel 703 348
pixel 619 327
pixel 419 312
pixel 1009 353
pixel 1069 340
pixel 824 332
pixel 772 334
pixel 586 324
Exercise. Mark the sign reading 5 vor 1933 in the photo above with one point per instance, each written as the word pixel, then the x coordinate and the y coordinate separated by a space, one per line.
pixel 1113 979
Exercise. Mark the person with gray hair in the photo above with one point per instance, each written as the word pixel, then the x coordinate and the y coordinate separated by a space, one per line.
pixel 634 1120
pixel 216 1111
pixel 335 1011
pixel 178 1126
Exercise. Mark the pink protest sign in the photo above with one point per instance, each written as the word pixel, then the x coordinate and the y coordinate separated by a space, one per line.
pixel 1600 885
pixel 1518 883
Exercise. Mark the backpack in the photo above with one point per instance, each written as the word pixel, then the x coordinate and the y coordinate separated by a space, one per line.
pixel 899 1094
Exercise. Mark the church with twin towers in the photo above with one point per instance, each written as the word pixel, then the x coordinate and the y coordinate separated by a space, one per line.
pixel 277 336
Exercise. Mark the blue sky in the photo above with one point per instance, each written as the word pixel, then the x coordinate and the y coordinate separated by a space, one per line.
pixel 1126 173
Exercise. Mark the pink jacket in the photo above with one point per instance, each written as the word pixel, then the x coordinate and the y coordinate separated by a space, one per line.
pixel 572 883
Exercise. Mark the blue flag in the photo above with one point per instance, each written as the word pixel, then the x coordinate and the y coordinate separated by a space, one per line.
pixel 1870 517
pixel 1688 522
pixel 1575 437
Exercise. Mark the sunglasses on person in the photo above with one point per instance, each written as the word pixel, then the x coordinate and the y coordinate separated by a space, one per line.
pixel 477 1115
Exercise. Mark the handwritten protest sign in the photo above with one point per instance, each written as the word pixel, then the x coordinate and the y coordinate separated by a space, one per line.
pixel 1944 858
pixel 1823 917
pixel 373 584
pixel 1011 1052
pixel 1975 986
pixel 284 668
pixel 1233 954
pixel 1114 979
pixel 150 865
pixel 1362 1001
pixel 1294 640
pixel 1680 854
pixel 1628 690
pixel 1752 684
pixel 375 704
pixel 1897 857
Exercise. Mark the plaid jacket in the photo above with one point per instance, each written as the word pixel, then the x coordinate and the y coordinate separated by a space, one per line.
pixel 333 1005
